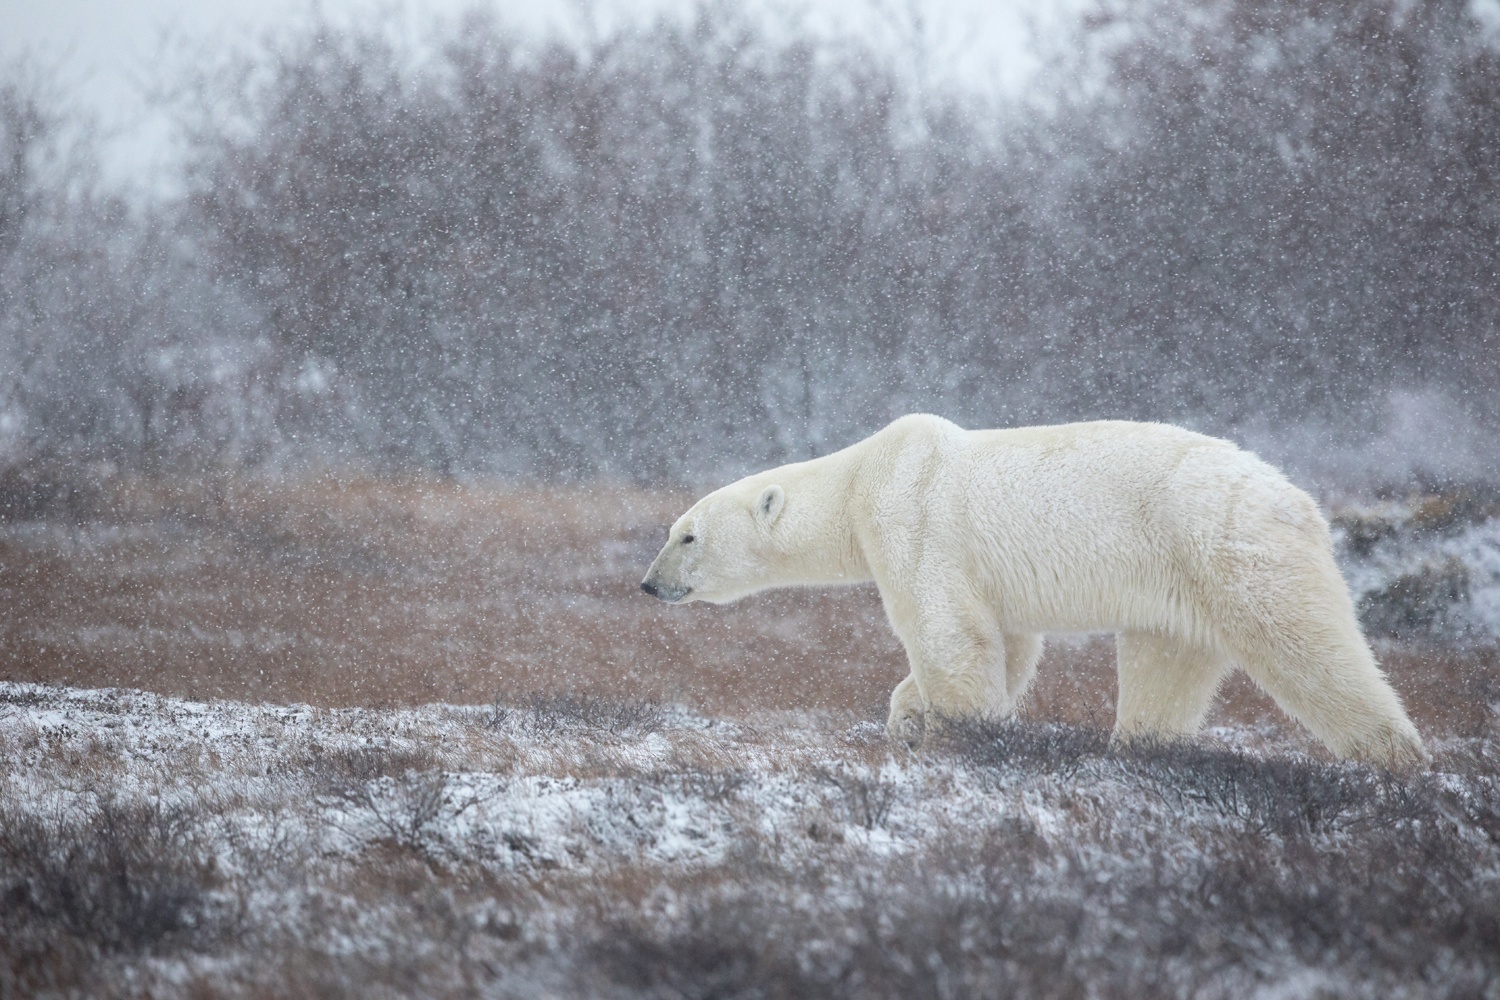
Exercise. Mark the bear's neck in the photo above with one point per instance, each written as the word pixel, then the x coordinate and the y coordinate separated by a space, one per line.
pixel 821 546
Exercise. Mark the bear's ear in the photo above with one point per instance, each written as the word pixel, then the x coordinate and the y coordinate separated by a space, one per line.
pixel 768 505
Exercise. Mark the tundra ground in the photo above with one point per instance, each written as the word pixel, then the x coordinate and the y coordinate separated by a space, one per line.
pixel 351 738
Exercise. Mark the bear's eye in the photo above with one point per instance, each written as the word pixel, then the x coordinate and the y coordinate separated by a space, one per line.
pixel 687 539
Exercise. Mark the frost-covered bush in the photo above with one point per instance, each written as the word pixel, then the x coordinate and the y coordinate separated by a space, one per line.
pixel 709 244
pixel 541 714
pixel 1425 570
pixel 1429 601
pixel 432 852
pixel 109 874
pixel 117 346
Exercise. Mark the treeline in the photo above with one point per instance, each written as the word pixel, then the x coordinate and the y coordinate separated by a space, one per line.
pixel 698 248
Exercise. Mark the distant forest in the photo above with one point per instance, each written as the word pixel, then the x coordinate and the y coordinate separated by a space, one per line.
pixel 693 248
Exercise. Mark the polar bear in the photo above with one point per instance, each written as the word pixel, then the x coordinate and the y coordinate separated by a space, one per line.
pixel 1198 554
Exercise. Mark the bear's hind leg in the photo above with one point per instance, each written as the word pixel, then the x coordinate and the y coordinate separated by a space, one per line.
pixel 1333 686
pixel 1165 685
pixel 1289 622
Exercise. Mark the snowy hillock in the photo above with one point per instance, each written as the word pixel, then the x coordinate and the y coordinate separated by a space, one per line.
pixel 1426 569
pixel 571 846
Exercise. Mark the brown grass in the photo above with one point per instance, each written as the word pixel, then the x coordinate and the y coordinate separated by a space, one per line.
pixel 359 592
pixel 344 593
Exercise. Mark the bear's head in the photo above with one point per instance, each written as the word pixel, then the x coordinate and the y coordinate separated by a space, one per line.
pixel 723 549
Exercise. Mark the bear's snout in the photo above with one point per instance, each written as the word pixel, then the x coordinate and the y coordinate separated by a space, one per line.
pixel 665 592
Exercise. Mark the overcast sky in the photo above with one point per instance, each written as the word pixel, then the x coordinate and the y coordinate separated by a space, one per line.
pixel 108 53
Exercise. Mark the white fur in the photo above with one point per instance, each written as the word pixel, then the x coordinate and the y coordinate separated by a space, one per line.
pixel 1198 554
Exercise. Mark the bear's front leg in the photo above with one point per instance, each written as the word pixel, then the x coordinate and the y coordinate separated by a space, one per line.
pixel 957 655
pixel 904 723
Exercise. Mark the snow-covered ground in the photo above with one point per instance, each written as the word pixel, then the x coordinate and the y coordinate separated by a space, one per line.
pixel 1429 567
pixel 569 847
pixel 578 845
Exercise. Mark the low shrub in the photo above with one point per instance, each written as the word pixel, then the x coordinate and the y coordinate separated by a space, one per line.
pixel 118 876
pixel 865 799
pixel 337 770
pixel 1044 746
pixel 549 713
pixel 1277 794
pixel 1426 603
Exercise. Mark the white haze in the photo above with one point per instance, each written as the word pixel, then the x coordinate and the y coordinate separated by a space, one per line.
pixel 114 58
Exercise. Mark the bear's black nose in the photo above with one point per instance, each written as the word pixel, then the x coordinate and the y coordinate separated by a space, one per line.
pixel 650 588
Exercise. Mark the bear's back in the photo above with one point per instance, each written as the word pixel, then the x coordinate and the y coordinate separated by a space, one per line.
pixel 1072 523
pixel 1131 443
